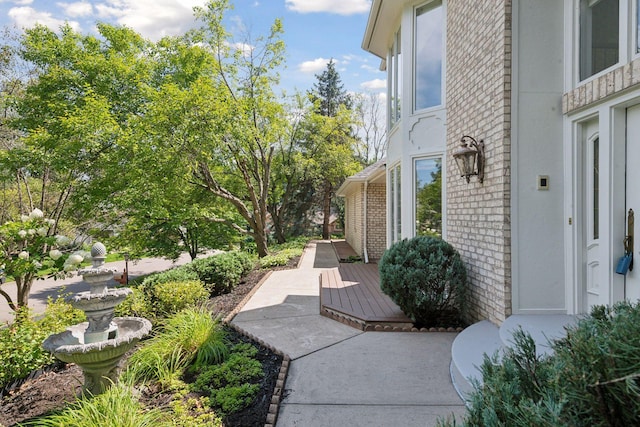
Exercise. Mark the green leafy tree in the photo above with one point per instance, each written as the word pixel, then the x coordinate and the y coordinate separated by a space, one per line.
pixel 293 185
pixel 331 138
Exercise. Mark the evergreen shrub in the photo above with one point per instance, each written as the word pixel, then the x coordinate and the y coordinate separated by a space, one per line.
pixel 592 378
pixel 427 279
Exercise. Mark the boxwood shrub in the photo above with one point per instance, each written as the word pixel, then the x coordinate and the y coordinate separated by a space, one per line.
pixel 427 279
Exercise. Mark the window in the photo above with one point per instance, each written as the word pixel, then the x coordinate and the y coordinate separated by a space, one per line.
pixel 595 187
pixel 395 79
pixel 428 197
pixel 428 56
pixel 599 36
pixel 394 204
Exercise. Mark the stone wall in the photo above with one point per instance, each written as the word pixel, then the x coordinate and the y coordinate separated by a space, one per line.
pixel 478 100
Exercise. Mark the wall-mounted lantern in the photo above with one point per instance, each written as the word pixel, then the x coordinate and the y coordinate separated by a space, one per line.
pixel 470 158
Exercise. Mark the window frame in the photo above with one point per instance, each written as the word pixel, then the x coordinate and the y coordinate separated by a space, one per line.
pixel 394 179
pixel 394 77
pixel 433 4
pixel 415 160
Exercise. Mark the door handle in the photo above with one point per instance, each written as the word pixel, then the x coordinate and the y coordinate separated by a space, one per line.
pixel 628 240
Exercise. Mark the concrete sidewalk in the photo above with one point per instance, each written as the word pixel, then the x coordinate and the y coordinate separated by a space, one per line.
pixel 340 376
pixel 42 289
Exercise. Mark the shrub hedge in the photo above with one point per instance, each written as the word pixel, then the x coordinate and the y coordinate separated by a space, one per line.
pixel 427 279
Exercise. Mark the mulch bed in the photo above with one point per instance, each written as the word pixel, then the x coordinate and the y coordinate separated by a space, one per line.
pixel 57 387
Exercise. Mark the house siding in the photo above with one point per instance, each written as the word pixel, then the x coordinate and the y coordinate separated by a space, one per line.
pixel 376 221
pixel 478 100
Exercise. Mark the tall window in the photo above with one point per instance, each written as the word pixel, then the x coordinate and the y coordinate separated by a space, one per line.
pixel 394 204
pixel 428 56
pixel 428 185
pixel 395 79
pixel 599 36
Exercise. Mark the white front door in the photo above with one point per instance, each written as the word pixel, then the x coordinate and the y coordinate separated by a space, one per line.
pixel 632 198
pixel 595 290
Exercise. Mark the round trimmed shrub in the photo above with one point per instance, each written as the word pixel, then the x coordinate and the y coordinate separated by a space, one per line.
pixel 427 279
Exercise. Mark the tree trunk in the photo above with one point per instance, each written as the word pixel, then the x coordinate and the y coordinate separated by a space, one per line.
pixel 326 210
pixel 261 244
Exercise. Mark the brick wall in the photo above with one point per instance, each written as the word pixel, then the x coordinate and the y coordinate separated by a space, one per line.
pixel 478 83
pixel 376 221
pixel 608 84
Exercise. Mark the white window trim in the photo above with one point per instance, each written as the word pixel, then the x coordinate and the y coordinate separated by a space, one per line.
pixel 443 203
pixel 626 41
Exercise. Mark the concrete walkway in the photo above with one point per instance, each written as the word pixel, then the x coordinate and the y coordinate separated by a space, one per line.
pixel 340 376
pixel 42 289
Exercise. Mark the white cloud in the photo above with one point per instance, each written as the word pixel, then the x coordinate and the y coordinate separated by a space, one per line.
pixel 17 2
pixel 77 9
pixel 27 17
pixel 315 66
pixel 339 7
pixel 245 48
pixel 370 68
pixel 151 18
pixel 375 84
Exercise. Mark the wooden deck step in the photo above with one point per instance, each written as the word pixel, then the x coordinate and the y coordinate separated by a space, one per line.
pixel 351 293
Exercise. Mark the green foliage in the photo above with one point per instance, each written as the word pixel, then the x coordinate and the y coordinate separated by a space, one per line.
pixel 135 304
pixel 172 297
pixel 116 407
pixel 591 379
pixel 21 349
pixel 191 337
pixel 163 298
pixel 193 412
pixel 222 272
pixel 233 384
pixel 427 279
pixel 177 274
pixel 279 258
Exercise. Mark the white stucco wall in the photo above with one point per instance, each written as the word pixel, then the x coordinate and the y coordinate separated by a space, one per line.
pixel 537 149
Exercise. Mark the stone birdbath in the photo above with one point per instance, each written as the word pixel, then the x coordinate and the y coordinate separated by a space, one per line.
pixel 98 344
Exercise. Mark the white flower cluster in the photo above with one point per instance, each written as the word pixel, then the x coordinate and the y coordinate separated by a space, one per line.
pixel 71 263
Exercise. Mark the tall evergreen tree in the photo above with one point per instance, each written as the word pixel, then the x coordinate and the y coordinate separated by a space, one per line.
pixel 328 92
pixel 333 103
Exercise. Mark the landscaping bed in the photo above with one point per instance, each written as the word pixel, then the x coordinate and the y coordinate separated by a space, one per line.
pixel 59 386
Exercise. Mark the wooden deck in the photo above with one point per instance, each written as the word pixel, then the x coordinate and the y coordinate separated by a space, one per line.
pixel 344 251
pixel 351 294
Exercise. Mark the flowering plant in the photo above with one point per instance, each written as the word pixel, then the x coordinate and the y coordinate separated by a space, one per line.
pixel 28 251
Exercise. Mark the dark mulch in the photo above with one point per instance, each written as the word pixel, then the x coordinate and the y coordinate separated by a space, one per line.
pixel 59 386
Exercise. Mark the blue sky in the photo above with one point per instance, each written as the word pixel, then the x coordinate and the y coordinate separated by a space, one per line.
pixel 315 30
